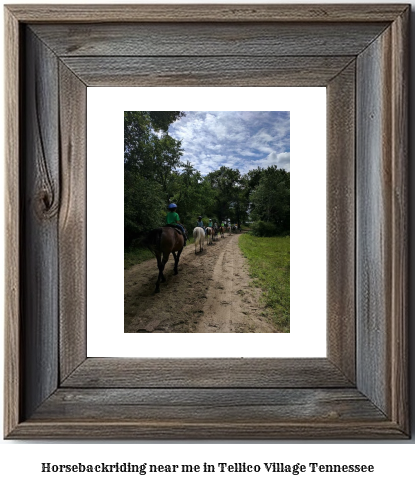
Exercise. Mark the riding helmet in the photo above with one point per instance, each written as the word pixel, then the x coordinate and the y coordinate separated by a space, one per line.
pixel 172 205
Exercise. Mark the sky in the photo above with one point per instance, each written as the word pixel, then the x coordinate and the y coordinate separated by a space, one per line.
pixel 238 140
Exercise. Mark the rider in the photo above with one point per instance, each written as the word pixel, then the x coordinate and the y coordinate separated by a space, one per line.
pixel 199 223
pixel 210 224
pixel 172 218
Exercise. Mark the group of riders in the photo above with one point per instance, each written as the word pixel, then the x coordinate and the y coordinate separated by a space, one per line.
pixel 173 219
pixel 162 241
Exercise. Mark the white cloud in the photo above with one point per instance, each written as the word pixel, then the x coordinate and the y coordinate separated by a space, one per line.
pixel 281 160
pixel 236 139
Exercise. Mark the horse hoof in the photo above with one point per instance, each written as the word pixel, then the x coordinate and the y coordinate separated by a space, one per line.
pixel 157 290
pixel 176 272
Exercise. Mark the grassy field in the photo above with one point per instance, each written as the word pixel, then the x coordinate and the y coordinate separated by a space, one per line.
pixel 269 266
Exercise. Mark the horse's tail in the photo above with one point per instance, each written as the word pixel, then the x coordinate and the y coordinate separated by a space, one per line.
pixel 152 240
pixel 196 235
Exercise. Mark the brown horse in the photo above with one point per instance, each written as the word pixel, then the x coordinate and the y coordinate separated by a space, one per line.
pixel 162 242
pixel 222 231
pixel 210 233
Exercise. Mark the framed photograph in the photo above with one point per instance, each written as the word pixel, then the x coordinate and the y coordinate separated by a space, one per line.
pixel 212 293
pixel 359 390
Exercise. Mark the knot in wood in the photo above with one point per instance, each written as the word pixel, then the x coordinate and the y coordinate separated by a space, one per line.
pixel 46 204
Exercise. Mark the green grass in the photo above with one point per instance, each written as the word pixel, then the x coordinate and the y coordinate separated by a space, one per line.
pixel 135 256
pixel 269 266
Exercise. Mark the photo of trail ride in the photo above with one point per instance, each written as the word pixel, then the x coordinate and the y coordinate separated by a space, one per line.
pixel 206 222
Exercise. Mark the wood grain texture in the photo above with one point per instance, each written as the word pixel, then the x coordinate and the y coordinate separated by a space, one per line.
pixel 185 429
pixel 72 222
pixel 188 430
pixel 40 230
pixel 382 223
pixel 341 237
pixel 209 405
pixel 400 262
pixel 207 13
pixel 13 383
pixel 207 71
pixel 374 221
pixel 206 373
pixel 181 39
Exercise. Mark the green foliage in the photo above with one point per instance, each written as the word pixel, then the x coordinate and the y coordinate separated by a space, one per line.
pixel 271 199
pixel 229 201
pixel 162 120
pixel 269 266
pixel 144 205
pixel 150 158
pixel 264 229
pixel 193 195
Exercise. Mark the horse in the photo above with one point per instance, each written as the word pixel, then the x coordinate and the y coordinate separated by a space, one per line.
pixel 222 232
pixel 199 237
pixel 229 229
pixel 210 233
pixel 161 242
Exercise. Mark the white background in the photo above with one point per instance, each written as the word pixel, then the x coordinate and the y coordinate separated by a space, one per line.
pixel 307 107
pixel 20 461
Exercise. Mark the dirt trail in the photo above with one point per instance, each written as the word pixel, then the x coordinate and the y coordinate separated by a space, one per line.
pixel 211 293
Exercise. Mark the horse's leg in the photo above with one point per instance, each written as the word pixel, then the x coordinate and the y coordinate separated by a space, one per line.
pixel 176 261
pixel 160 266
pixel 163 278
pixel 165 259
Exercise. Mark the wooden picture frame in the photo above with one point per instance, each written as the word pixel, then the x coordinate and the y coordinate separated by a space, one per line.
pixel 360 53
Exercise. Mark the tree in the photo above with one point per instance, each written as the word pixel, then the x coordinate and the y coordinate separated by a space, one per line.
pixel 150 157
pixel 228 199
pixel 139 215
pixel 271 199
pixel 147 146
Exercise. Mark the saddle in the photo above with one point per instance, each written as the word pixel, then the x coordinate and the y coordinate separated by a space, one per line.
pixel 177 229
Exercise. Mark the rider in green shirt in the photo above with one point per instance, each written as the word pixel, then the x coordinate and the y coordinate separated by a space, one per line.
pixel 173 218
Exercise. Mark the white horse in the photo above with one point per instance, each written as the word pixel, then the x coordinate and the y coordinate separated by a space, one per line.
pixel 199 237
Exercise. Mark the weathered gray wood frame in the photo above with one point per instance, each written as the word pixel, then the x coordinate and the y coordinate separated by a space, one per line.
pixel 359 52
